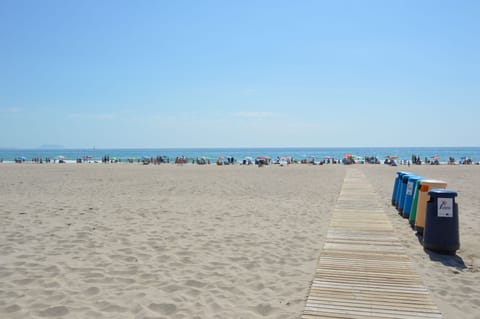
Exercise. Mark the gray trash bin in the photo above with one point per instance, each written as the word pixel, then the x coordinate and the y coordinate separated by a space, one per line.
pixel 441 222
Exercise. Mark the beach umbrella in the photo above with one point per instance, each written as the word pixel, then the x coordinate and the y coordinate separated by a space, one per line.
pixel 61 157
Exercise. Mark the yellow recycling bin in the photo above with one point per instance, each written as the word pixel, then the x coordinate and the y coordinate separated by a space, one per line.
pixel 423 198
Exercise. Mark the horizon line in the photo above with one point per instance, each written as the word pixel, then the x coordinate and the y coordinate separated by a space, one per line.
pixel 225 147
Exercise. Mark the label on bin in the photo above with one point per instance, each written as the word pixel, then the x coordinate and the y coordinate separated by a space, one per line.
pixel 410 188
pixel 445 207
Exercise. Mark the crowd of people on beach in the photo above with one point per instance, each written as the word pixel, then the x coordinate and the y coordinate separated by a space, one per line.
pixel 259 160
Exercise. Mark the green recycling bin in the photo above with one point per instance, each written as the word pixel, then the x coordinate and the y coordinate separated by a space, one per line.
pixel 413 209
pixel 409 195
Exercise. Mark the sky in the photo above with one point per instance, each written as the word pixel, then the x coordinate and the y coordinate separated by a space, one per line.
pixel 164 74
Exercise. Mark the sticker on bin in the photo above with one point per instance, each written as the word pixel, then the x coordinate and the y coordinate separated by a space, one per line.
pixel 410 188
pixel 445 207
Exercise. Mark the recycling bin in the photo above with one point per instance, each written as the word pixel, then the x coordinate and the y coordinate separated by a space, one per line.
pixel 441 222
pixel 409 194
pixel 403 189
pixel 423 197
pixel 400 189
pixel 413 209
pixel 396 185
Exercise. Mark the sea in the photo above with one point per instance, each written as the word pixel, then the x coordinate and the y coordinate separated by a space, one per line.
pixel 297 153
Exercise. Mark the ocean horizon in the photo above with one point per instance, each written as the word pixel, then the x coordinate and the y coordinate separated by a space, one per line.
pixel 298 153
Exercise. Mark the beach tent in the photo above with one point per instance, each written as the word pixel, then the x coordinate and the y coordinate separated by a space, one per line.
pixel 359 159
pixel 435 159
pixel 248 160
pixel 283 161
pixel 203 160
pixel 347 159
pixel 262 160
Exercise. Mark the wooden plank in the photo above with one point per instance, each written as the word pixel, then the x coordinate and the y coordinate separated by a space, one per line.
pixel 372 296
pixel 372 313
pixel 373 303
pixel 367 308
pixel 363 270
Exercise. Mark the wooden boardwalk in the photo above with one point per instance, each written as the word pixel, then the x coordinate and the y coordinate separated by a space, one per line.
pixel 363 270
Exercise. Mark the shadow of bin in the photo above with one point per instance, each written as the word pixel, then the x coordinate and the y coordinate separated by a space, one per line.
pixel 441 222
pixel 423 197
pixel 396 186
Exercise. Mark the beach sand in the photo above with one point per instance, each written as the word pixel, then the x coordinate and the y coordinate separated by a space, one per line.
pixel 135 241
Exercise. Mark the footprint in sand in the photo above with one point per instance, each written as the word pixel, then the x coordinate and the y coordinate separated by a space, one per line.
pixel 57 311
pixel 195 283
pixel 263 309
pixel 476 302
pixel 115 308
pixel 11 309
pixel 172 288
pixel 194 292
pixel 91 291
pixel 163 308
pixel 23 282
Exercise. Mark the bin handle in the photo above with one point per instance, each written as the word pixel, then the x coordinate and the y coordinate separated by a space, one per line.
pixel 424 188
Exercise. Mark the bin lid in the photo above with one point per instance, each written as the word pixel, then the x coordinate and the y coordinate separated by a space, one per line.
pixel 442 192
pixel 427 184
pixel 415 178
pixel 432 181
pixel 406 177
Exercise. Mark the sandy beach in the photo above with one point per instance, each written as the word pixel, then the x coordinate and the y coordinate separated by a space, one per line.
pixel 167 241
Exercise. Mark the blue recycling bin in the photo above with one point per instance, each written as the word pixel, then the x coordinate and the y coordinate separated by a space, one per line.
pixel 409 194
pixel 403 189
pixel 396 187
pixel 441 233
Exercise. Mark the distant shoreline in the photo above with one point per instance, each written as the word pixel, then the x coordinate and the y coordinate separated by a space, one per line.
pixel 298 153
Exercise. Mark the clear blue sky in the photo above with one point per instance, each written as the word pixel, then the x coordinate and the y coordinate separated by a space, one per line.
pixel 239 73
